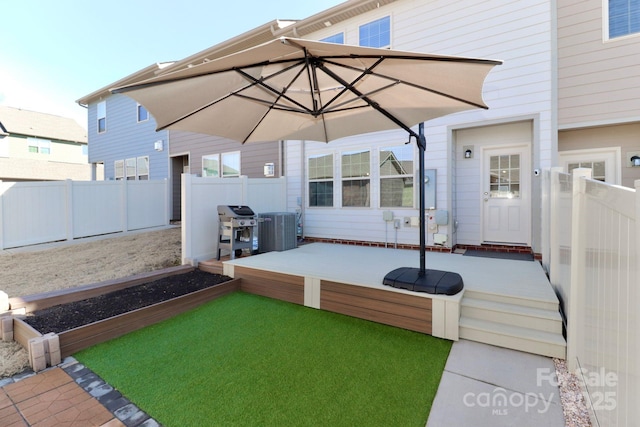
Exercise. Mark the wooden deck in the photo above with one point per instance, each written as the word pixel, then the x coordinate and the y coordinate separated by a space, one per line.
pixel 505 303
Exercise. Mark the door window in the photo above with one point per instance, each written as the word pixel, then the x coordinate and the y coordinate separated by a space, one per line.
pixel 504 176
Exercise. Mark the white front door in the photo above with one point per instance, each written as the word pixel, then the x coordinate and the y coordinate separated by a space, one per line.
pixel 506 195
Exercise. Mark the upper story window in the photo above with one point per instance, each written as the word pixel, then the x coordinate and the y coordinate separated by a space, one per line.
pixel 356 178
pixel 624 17
pixel 37 145
pixel 321 180
pixel 396 177
pixel 336 38
pixel 102 117
pixel 143 114
pixel 376 33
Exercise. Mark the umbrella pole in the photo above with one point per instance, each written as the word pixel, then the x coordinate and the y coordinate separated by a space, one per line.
pixel 422 142
pixel 421 279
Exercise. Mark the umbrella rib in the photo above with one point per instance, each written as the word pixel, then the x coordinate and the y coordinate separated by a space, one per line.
pixel 414 85
pixel 369 101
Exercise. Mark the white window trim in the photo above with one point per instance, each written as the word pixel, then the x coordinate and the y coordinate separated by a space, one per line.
pixel 605 26
pixel 138 105
pixel 98 117
pixel 610 155
pixel 115 170
pixel 220 157
pixel 369 177
pixel 39 143
pixel 412 174
pixel 375 18
pixel 332 179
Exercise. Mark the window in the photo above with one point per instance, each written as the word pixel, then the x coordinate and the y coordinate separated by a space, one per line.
pixel 211 166
pixel 356 168
pixel 143 168
pixel 85 149
pixel 143 114
pixel 37 145
pixel 396 177
pixel 231 164
pixel 102 117
pixel 321 180
pixel 597 169
pixel 623 17
pixel 225 165
pixel 118 169
pixel 130 168
pixel 336 38
pixel 505 176
pixel 604 162
pixel 376 33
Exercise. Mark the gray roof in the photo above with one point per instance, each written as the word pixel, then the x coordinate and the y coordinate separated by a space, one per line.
pixel 41 125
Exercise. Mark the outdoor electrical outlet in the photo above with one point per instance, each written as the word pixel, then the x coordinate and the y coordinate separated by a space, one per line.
pixel 396 223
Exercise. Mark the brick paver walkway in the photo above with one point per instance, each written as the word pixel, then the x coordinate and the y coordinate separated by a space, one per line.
pixel 65 396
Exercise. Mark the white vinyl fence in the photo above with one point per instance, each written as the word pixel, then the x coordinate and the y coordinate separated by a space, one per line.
pixel 200 200
pixel 41 212
pixel 594 265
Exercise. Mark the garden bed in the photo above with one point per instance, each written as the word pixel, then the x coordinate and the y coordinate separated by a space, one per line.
pixel 82 323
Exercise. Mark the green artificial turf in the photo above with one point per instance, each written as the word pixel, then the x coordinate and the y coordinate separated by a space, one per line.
pixel 247 360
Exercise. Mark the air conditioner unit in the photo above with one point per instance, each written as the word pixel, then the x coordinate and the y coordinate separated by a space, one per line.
pixel 276 231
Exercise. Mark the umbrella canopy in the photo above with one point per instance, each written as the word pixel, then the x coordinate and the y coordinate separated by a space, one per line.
pixel 300 89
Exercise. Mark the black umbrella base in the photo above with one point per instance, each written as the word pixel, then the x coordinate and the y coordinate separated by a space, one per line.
pixel 431 281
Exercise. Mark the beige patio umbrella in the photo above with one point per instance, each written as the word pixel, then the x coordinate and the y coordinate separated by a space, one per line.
pixel 295 89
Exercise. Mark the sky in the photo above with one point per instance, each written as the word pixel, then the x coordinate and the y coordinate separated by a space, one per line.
pixel 55 52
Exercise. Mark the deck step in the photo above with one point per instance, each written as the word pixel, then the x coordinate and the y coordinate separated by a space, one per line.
pixel 512 299
pixel 512 314
pixel 513 337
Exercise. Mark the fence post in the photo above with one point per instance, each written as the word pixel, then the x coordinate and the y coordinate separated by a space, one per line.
pixel 69 208
pixel 578 265
pixel 185 215
pixel 167 202
pixel 124 209
pixel 552 214
pixel 2 190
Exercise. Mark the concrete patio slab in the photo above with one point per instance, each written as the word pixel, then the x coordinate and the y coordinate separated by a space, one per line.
pixel 490 386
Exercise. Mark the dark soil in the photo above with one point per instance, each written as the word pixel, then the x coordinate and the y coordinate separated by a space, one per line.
pixel 63 317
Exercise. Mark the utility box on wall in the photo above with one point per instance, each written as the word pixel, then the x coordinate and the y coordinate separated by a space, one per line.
pixel 430 188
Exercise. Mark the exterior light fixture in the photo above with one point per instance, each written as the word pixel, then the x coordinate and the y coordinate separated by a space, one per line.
pixel 635 161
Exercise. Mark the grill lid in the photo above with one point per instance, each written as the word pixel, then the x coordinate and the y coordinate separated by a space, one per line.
pixel 235 211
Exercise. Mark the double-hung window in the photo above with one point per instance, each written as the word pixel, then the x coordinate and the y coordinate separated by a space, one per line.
pixel 396 177
pixel 142 171
pixel 130 168
pixel 119 170
pixel 102 117
pixel 321 180
pixel 376 33
pixel 623 17
pixel 356 178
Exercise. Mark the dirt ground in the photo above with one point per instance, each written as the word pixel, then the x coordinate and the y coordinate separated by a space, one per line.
pixel 76 264
pixel 69 265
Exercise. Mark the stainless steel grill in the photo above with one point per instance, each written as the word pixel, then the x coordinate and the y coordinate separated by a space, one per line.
pixel 235 231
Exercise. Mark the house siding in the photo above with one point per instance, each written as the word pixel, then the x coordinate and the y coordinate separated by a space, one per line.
pixel 520 35
pixel 253 156
pixel 597 79
pixel 125 138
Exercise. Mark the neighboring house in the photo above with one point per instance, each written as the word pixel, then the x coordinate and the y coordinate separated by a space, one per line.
pixel 599 88
pixel 129 147
pixel 41 147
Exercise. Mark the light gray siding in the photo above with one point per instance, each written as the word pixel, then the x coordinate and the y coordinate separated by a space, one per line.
pixel 597 79
pixel 253 156
pixel 125 138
